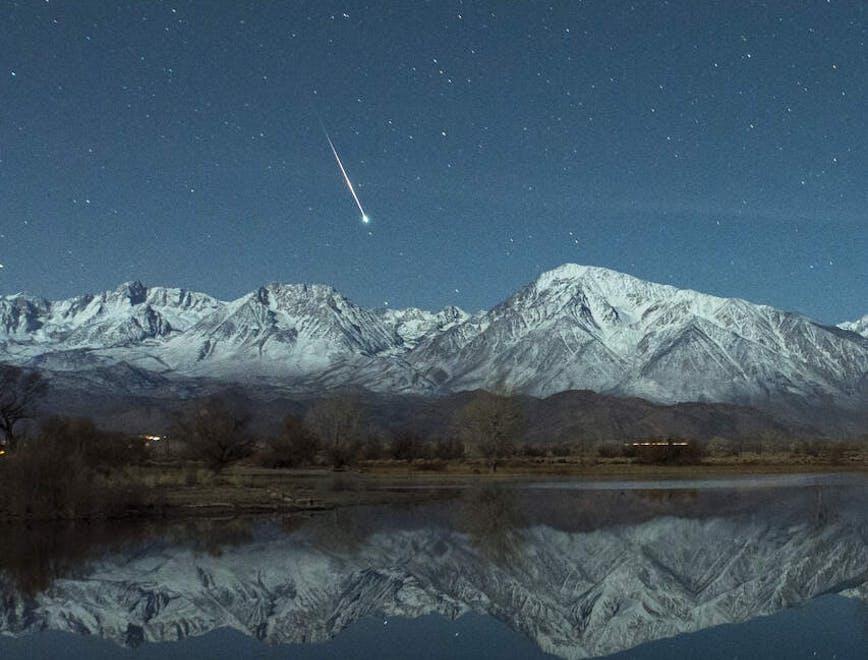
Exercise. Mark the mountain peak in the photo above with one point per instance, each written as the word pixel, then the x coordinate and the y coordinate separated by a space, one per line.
pixel 572 272
pixel 300 296
pixel 135 291
pixel 859 326
pixel 574 327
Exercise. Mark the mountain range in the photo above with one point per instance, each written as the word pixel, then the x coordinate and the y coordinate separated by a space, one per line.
pixel 577 587
pixel 573 328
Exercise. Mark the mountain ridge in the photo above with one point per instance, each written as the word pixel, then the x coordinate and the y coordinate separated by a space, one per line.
pixel 577 590
pixel 574 327
pixel 859 326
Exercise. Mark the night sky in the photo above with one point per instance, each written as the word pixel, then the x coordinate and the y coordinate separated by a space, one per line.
pixel 720 146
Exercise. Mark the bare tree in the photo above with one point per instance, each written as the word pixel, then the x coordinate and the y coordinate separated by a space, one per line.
pixel 215 431
pixel 19 392
pixel 494 520
pixel 337 422
pixel 295 446
pixel 100 449
pixel 492 424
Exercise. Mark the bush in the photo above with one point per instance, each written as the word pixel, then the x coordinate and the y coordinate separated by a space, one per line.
pixel 836 452
pixel 372 448
pixel 431 466
pixel 532 451
pixel 294 447
pixel 46 480
pixel 721 447
pixel 103 450
pixel 407 446
pixel 610 450
pixel 670 452
pixel 215 431
pixel 448 449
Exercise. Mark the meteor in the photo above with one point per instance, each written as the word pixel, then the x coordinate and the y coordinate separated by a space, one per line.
pixel 365 218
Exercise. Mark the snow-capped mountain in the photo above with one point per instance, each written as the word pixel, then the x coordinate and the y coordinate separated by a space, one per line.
pixel 126 316
pixel 579 327
pixel 414 324
pixel 575 327
pixel 859 326
pixel 281 329
pixel 575 593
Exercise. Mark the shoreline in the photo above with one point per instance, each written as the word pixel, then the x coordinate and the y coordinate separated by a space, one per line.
pixel 310 491
pixel 253 491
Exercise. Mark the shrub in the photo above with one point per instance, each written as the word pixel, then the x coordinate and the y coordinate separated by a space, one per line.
pixel 670 452
pixel 45 480
pixel 450 448
pixel 215 431
pixel 407 446
pixel 721 447
pixel 99 449
pixel 431 466
pixel 610 450
pixel 294 447
pixel 372 448
pixel 532 451
pixel 836 452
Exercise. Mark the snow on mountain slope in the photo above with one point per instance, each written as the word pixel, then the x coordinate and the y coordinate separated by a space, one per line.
pixel 859 326
pixel 281 329
pixel 580 327
pixel 130 314
pixel 575 327
pixel 414 324
pixel 577 594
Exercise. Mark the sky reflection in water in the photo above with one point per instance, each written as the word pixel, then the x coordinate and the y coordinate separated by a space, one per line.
pixel 494 572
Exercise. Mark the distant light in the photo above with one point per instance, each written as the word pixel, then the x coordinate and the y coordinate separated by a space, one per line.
pixel 365 219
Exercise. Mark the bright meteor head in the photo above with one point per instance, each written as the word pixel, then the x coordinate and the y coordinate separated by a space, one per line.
pixel 365 218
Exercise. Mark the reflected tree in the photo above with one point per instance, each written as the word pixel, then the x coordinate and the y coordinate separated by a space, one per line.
pixel 493 519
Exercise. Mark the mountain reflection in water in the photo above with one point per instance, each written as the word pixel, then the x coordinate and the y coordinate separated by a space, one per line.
pixel 580 573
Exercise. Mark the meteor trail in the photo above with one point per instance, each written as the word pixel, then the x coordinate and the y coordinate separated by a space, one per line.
pixel 365 218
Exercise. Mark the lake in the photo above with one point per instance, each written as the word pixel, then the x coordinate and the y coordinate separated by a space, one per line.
pixel 762 567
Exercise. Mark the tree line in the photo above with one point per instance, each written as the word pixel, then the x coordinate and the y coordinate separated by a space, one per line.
pixel 218 431
pixel 335 432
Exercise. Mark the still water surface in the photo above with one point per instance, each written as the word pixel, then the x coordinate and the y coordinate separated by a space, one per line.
pixel 707 569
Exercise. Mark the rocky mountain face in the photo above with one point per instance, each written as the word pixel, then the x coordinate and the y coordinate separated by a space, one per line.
pixel 578 590
pixel 575 327
pixel 413 325
pixel 589 328
pixel 127 316
pixel 859 326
